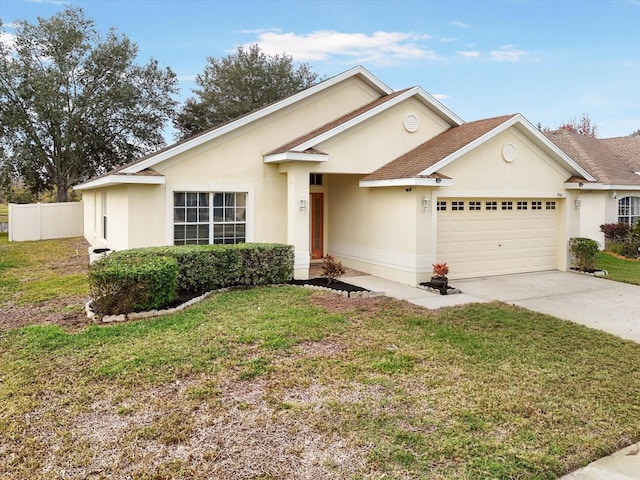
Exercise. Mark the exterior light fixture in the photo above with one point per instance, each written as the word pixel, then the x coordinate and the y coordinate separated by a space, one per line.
pixel 426 203
pixel 614 194
pixel 303 204
pixel 438 180
pixel 577 203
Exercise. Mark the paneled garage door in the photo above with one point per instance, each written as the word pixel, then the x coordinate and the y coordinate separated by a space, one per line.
pixel 482 237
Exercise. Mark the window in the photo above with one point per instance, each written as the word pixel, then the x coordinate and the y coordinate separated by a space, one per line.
pixel 550 205
pixel 475 205
pixel 315 179
pixel 442 205
pixel 629 210
pixel 507 205
pixel 536 205
pixel 491 205
pixel 104 215
pixel 457 205
pixel 522 205
pixel 209 217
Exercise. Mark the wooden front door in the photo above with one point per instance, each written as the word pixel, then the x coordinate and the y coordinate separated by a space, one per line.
pixel 317 225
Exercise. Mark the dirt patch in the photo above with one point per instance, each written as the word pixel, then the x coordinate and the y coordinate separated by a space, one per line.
pixel 67 312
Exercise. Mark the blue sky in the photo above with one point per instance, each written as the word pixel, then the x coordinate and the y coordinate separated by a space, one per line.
pixel 549 60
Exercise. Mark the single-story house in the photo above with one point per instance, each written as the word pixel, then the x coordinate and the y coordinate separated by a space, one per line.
pixel 389 182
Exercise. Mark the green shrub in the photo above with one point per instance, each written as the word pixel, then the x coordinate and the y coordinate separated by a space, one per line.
pixel 128 284
pixel 202 268
pixel 628 247
pixel 585 251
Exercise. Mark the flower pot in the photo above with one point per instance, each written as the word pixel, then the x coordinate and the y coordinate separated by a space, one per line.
pixel 440 283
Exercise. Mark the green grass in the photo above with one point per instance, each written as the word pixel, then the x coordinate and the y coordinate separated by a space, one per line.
pixel 619 269
pixel 290 383
pixel 35 272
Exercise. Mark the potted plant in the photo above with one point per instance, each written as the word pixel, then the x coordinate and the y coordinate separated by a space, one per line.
pixel 439 277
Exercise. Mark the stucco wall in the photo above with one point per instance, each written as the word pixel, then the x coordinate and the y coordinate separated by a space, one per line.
pixel 376 229
pixel 380 139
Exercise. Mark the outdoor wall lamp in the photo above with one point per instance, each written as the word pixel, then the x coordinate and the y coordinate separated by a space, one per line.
pixel 426 203
pixel 438 180
pixel 614 194
pixel 577 203
pixel 303 204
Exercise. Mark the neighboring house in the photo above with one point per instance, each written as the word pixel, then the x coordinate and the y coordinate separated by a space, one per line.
pixel 389 182
pixel 614 195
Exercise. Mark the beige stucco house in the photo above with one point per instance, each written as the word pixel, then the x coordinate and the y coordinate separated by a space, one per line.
pixel 388 182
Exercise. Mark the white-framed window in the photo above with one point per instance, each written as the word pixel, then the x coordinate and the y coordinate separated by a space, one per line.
pixel 536 205
pixel 522 205
pixel 473 205
pixel 315 179
pixel 507 205
pixel 209 217
pixel 442 205
pixel 491 205
pixel 457 205
pixel 629 210
pixel 550 205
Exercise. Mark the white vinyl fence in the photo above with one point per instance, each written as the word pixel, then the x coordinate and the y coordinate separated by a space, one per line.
pixel 42 221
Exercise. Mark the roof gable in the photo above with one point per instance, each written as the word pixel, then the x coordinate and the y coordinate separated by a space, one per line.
pixel 329 130
pixel 425 160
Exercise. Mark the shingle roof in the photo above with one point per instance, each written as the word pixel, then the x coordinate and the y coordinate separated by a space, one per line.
pixel 338 121
pixel 611 161
pixel 410 164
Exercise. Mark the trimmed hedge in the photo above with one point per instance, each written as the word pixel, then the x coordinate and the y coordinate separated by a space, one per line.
pixel 132 284
pixel 202 268
pixel 199 268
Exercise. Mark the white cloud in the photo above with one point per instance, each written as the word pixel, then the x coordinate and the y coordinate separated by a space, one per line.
pixel 8 39
pixel 379 47
pixel 440 96
pixel 507 53
pixel 448 39
pixel 469 53
pixel 53 2
pixel 458 24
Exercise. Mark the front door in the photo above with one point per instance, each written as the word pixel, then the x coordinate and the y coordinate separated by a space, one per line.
pixel 317 230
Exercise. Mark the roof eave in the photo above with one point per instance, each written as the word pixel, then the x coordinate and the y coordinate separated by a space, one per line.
pixel 296 157
pixel 407 182
pixel 118 179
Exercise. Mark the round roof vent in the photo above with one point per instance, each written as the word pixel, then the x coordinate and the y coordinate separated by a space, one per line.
pixel 411 123
pixel 509 152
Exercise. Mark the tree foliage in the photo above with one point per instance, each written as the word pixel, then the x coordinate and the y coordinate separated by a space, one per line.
pixel 582 125
pixel 239 83
pixel 635 133
pixel 74 104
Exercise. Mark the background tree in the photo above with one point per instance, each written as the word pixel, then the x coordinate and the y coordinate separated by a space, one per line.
pixel 74 104
pixel 582 126
pixel 238 84
pixel 635 133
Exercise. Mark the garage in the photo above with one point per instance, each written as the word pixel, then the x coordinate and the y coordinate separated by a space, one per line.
pixel 483 237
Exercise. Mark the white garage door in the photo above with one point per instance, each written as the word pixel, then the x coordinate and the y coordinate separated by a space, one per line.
pixel 482 237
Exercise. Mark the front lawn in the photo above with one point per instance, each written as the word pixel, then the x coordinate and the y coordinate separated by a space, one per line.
pixel 285 383
pixel 619 269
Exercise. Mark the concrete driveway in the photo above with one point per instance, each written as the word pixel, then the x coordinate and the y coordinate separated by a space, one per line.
pixel 597 303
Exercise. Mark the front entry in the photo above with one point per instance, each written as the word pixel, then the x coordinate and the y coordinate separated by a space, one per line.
pixel 317 227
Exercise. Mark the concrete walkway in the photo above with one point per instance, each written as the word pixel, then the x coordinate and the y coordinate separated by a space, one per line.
pixel 597 303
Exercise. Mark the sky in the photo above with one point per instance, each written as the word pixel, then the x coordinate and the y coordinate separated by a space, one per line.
pixel 551 61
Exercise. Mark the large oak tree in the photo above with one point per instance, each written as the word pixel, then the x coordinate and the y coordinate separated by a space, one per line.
pixel 74 103
pixel 238 84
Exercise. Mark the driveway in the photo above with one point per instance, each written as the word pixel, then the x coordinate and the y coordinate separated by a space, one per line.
pixel 597 303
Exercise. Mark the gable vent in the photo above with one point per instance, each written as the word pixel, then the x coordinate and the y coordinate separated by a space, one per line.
pixel 411 123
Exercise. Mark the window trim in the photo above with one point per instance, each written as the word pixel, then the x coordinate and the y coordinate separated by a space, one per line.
pixel 249 190
pixel 633 209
